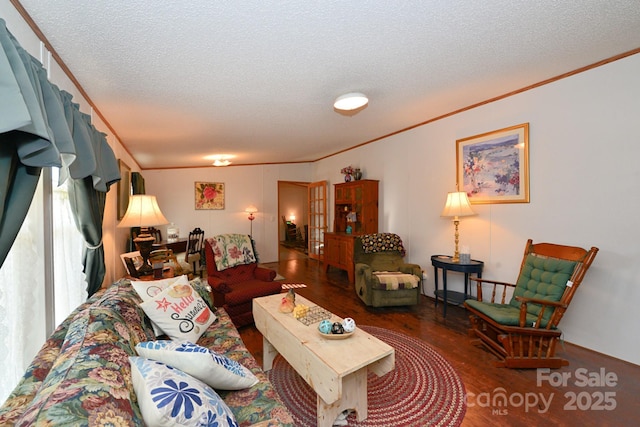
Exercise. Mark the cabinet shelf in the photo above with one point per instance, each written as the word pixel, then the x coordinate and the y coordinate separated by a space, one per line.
pixel 359 198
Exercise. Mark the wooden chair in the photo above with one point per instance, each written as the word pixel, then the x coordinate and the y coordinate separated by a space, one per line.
pixel 290 233
pixel 523 333
pixel 195 249
pixel 167 258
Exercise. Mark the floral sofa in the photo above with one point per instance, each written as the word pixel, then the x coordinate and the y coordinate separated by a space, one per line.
pixel 82 376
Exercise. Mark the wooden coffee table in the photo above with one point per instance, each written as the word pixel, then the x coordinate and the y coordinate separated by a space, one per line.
pixel 335 369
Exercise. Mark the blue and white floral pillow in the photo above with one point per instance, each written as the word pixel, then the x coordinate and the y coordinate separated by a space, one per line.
pixel 170 397
pixel 214 369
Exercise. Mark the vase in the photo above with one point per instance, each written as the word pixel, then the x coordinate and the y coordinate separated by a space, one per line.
pixel 357 175
pixel 347 178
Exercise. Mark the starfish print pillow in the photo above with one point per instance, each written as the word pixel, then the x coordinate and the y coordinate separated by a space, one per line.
pixel 180 312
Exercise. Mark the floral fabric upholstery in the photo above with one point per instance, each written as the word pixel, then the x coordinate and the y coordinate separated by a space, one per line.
pixel 82 375
pixel 230 250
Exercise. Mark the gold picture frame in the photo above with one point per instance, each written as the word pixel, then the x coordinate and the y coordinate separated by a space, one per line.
pixel 124 188
pixel 209 195
pixel 493 167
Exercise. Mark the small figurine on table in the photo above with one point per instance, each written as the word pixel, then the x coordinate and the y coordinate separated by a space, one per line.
pixel 288 302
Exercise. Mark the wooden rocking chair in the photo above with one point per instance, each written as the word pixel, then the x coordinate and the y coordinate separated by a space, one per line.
pixel 523 332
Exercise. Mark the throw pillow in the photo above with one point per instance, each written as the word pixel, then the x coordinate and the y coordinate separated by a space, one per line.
pixel 214 369
pixel 180 312
pixel 147 289
pixel 170 397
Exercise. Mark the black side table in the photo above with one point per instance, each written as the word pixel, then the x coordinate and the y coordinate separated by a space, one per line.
pixel 446 263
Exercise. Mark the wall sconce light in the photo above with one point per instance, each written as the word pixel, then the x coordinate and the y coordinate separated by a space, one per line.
pixel 251 210
pixel 457 205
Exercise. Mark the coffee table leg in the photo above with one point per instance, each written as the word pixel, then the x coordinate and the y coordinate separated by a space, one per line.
pixel 269 353
pixel 354 396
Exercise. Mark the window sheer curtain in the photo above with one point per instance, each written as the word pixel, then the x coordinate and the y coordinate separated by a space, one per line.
pixel 22 305
pixel 68 244
pixel 22 308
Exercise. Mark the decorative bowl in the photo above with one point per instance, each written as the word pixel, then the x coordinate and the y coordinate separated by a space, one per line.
pixel 337 336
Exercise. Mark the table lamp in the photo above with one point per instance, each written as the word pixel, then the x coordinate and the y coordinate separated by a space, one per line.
pixel 143 212
pixel 457 205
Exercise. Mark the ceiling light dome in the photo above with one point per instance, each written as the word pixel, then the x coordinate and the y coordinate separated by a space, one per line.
pixel 350 101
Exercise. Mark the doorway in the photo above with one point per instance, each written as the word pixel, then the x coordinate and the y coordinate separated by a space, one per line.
pixel 302 219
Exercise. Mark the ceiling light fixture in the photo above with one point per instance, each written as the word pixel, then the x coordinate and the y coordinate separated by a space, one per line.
pixel 219 162
pixel 220 159
pixel 350 101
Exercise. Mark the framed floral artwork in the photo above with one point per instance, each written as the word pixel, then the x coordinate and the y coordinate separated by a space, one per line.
pixel 493 167
pixel 209 195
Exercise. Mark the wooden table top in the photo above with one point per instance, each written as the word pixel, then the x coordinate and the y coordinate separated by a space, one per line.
pixel 320 361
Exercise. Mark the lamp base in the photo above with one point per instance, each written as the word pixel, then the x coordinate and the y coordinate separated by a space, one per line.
pixel 456 253
pixel 144 242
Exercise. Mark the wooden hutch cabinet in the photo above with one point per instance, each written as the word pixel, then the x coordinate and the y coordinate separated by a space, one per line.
pixel 355 206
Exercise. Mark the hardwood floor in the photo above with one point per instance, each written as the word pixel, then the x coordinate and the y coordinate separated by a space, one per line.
pixel 593 390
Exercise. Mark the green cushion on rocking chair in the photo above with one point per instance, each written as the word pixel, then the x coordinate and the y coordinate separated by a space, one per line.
pixel 541 278
pixel 504 314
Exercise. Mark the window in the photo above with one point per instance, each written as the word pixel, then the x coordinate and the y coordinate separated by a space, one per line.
pixel 23 283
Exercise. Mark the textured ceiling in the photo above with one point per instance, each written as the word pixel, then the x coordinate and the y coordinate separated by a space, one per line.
pixel 179 80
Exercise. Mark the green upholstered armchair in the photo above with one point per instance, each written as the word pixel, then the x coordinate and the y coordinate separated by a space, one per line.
pixel 382 277
pixel 524 332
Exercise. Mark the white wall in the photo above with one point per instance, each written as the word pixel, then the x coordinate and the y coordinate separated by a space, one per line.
pixel 244 186
pixel 584 187
pixel 584 191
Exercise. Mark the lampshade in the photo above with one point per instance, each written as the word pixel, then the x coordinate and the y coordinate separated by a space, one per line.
pixel 350 101
pixel 143 211
pixel 251 209
pixel 457 205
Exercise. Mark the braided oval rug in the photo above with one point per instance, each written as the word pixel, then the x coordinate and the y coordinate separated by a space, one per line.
pixel 422 390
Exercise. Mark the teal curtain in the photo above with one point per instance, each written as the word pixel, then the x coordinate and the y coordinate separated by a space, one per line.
pixel 40 127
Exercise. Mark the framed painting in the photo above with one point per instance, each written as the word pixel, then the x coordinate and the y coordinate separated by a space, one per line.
pixel 124 188
pixel 209 195
pixel 132 261
pixel 493 167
